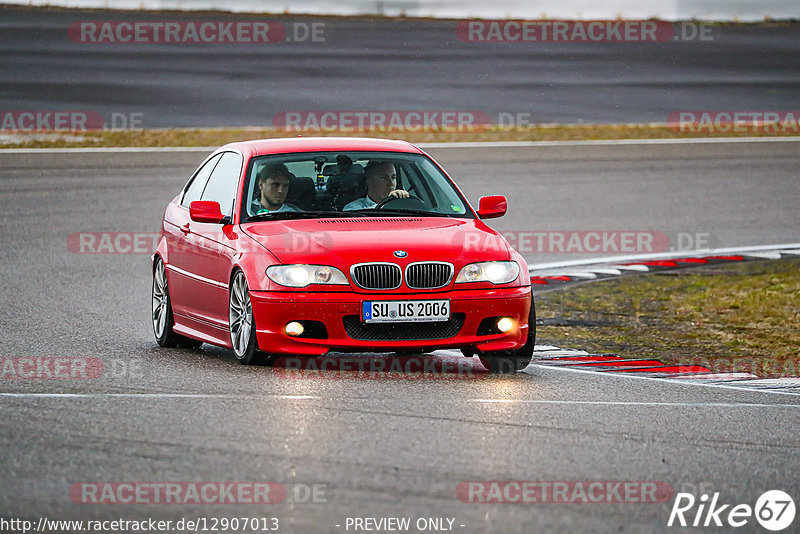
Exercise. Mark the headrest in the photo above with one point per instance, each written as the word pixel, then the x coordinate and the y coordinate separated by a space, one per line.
pixel 333 169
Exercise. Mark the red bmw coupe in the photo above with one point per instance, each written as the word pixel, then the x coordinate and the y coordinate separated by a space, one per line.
pixel 308 245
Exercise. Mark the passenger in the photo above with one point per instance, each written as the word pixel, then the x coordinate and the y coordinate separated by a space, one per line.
pixel 273 183
pixel 344 163
pixel 381 178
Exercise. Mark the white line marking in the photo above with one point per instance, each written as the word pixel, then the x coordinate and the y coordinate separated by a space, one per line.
pixel 476 144
pixel 613 261
pixel 119 395
pixel 153 395
pixel 764 255
pixel 605 142
pixel 307 397
pixel 615 272
pixel 564 353
pixel 581 274
pixel 102 150
pixel 640 268
pixel 633 376
pixel 785 381
pixel 637 403
pixel 716 376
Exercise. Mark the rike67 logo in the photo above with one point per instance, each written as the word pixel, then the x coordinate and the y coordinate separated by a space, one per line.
pixel 774 510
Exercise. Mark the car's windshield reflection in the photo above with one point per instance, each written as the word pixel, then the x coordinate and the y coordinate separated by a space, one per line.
pixel 351 184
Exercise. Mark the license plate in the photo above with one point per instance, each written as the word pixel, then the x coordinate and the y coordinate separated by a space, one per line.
pixel 404 311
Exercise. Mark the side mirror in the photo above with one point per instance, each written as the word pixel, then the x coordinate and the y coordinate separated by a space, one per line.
pixel 490 207
pixel 206 211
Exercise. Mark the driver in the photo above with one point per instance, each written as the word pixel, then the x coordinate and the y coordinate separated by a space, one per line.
pixel 381 178
pixel 273 183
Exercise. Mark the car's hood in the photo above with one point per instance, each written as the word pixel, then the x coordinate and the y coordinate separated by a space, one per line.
pixel 341 242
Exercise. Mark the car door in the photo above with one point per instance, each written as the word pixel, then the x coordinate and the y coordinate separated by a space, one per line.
pixel 182 243
pixel 213 252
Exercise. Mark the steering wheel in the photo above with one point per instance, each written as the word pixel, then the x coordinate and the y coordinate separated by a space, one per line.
pixel 412 202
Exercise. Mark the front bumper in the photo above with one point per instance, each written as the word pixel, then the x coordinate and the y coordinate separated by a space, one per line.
pixel 272 310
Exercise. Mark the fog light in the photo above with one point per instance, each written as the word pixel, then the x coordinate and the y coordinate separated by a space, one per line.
pixel 294 329
pixel 504 324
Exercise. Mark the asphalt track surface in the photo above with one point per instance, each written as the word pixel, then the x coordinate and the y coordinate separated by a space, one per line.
pixel 381 64
pixel 386 446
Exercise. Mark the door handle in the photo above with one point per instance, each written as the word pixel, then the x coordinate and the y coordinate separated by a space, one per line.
pixel 185 229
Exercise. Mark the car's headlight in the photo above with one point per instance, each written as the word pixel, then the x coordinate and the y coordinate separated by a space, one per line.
pixel 496 272
pixel 303 275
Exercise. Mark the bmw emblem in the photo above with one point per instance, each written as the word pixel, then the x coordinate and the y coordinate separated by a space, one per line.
pixel 400 253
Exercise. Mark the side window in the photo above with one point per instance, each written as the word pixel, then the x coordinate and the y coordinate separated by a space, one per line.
pixel 197 184
pixel 224 181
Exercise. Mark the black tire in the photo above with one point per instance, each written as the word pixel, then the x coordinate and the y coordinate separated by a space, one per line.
pixel 161 312
pixel 240 315
pixel 511 361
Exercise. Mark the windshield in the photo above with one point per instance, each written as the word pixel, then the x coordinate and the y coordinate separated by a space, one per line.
pixel 330 184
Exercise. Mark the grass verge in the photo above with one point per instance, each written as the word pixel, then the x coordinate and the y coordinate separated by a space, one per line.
pixel 736 317
pixel 213 137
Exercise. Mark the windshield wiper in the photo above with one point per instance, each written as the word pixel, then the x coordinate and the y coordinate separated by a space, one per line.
pixel 300 215
pixel 372 212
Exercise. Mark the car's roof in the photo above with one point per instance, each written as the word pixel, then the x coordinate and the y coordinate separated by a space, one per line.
pixel 314 144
